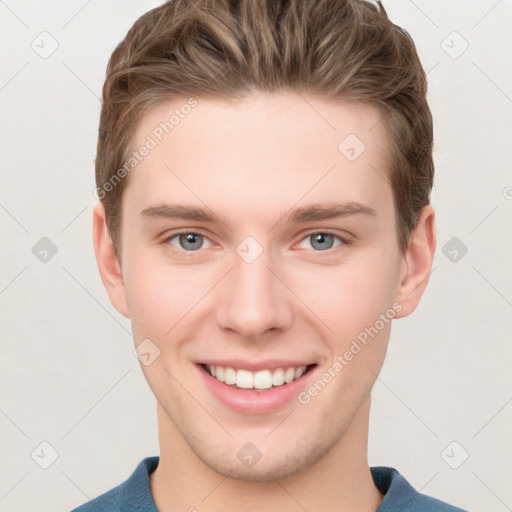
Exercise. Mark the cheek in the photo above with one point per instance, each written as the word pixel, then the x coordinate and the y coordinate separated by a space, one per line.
pixel 356 302
pixel 160 295
pixel 351 297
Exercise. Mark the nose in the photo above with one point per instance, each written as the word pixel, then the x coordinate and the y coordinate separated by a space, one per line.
pixel 254 299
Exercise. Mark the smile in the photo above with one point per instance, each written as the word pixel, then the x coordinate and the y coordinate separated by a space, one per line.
pixel 259 380
pixel 251 387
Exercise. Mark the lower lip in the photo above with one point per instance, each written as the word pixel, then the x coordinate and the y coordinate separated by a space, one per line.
pixel 255 402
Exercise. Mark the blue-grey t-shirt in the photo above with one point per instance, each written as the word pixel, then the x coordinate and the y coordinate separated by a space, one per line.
pixel 134 494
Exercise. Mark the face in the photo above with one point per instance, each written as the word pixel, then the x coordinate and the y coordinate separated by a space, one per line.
pixel 259 245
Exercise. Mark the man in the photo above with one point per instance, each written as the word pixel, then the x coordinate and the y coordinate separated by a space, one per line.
pixel 264 171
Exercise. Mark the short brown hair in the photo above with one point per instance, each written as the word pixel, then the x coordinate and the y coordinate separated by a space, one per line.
pixel 346 50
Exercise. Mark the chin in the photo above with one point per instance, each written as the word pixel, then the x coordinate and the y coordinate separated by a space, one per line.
pixel 273 464
pixel 262 471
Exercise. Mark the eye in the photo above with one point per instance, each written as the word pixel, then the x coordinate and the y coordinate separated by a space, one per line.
pixel 321 241
pixel 189 241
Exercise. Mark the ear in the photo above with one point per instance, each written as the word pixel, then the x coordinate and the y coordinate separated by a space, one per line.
pixel 417 263
pixel 108 264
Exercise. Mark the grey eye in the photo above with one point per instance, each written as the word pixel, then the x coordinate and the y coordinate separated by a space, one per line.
pixel 191 241
pixel 320 241
pixel 188 241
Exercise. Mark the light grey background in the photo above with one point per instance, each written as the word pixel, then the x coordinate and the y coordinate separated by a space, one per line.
pixel 67 373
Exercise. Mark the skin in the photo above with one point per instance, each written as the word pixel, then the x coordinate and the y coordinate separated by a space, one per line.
pixel 252 163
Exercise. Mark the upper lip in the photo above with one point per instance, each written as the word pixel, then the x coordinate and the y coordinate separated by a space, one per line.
pixel 254 366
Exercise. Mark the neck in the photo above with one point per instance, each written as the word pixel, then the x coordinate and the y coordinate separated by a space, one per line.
pixel 339 481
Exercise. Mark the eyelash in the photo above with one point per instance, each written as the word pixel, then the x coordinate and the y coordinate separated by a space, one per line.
pixel 344 241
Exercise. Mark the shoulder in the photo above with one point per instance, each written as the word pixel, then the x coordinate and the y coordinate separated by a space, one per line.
pixel 132 494
pixel 400 495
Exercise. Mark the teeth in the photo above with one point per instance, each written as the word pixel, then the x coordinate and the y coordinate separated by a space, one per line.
pixel 278 377
pixel 289 374
pixel 298 372
pixel 244 379
pixel 263 379
pixel 229 375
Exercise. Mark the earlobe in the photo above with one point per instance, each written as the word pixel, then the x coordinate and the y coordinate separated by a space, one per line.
pixel 417 264
pixel 107 261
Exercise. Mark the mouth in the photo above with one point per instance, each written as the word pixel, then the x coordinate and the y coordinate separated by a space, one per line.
pixel 256 388
pixel 258 381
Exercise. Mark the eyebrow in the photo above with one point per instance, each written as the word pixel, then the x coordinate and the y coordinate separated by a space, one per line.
pixel 178 211
pixel 314 212
pixel 324 211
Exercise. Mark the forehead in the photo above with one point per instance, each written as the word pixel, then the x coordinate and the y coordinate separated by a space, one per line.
pixel 261 151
